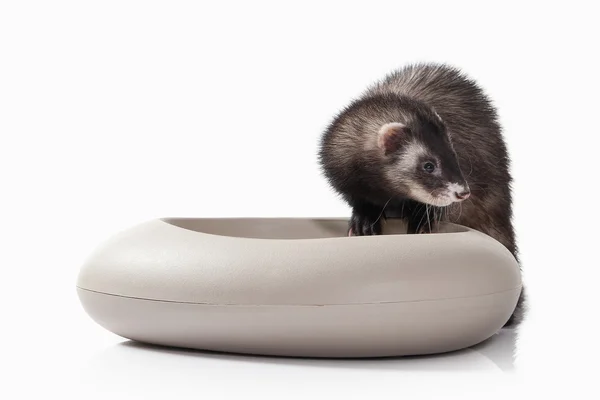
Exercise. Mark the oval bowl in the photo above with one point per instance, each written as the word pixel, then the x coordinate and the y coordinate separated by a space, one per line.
pixel 300 287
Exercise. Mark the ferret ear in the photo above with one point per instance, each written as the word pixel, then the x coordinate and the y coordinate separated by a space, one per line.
pixel 391 137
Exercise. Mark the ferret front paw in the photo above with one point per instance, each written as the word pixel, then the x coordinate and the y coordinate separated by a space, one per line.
pixel 427 228
pixel 422 223
pixel 365 225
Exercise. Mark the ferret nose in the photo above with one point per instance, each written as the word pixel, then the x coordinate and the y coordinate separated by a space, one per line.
pixel 463 195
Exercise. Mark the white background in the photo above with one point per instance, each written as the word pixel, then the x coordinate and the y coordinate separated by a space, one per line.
pixel 116 112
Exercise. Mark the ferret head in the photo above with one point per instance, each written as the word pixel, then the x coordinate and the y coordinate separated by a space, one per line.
pixel 420 161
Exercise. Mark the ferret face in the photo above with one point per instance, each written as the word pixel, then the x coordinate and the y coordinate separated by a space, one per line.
pixel 421 163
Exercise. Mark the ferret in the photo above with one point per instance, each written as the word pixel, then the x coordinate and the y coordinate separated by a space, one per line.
pixel 423 144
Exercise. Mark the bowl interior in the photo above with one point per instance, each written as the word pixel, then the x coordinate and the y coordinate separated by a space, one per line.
pixel 287 228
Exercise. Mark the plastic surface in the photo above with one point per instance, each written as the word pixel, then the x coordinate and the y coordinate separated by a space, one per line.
pixel 299 287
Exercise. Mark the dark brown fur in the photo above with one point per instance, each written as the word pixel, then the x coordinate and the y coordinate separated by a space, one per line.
pixel 415 93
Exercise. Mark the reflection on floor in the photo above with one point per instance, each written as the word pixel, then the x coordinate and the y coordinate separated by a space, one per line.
pixel 495 354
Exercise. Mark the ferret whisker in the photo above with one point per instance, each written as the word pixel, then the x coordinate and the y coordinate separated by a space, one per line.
pixel 382 210
pixel 421 220
pixel 471 163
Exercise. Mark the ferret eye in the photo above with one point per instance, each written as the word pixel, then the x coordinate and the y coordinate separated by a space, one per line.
pixel 429 167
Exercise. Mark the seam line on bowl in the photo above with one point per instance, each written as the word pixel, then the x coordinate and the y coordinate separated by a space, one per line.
pixel 298 305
